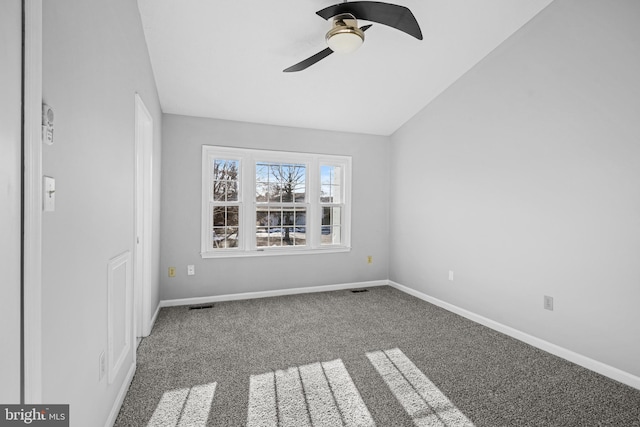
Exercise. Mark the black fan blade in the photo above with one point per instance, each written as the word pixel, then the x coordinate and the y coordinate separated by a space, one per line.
pixel 393 15
pixel 309 61
pixel 315 58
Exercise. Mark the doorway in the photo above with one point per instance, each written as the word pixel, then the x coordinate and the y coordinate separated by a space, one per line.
pixel 143 217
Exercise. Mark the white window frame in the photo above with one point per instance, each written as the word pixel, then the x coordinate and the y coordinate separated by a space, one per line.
pixel 248 206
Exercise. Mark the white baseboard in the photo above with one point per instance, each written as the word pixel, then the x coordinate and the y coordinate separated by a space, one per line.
pixel 579 359
pixel 265 294
pixel 115 409
pixel 153 320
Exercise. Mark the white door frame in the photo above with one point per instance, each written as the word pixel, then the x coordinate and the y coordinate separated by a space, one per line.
pixel 32 251
pixel 143 219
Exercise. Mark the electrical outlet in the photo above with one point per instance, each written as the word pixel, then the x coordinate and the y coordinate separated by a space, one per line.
pixel 451 275
pixel 191 270
pixel 102 366
pixel 548 303
pixel 172 272
pixel 370 259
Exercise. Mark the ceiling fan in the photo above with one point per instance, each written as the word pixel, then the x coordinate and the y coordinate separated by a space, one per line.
pixel 345 36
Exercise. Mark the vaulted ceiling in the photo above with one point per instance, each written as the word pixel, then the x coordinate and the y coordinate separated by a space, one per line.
pixel 224 59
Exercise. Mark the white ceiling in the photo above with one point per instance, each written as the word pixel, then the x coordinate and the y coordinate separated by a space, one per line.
pixel 224 59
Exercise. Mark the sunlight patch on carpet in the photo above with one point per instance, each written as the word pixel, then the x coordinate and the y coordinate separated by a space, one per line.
pixel 320 393
pixel 422 400
pixel 184 407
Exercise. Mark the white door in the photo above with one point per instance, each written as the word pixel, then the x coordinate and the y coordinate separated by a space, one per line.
pixel 143 200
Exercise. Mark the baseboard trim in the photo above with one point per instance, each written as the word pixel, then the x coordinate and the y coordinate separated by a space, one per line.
pixel 153 320
pixel 266 294
pixel 579 359
pixel 117 404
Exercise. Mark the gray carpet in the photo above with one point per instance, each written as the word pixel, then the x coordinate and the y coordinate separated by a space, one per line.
pixel 340 358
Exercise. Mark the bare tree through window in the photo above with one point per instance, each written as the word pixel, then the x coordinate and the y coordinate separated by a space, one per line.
pixel 226 212
pixel 281 213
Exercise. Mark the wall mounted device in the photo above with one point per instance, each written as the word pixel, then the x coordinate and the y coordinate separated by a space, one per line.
pixel 49 194
pixel 47 124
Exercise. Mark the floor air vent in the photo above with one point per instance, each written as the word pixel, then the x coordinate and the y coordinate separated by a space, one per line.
pixel 200 307
pixel 357 291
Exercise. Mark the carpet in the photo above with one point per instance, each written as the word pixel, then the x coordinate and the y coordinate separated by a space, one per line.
pixel 371 358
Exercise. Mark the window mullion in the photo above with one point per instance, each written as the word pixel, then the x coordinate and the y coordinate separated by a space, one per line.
pixel 346 202
pixel 313 204
pixel 249 199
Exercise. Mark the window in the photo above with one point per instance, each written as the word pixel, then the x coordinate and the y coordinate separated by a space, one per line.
pixel 257 202
pixel 331 203
pixel 281 204
pixel 226 206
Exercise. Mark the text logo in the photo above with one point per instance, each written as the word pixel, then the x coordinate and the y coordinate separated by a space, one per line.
pixel 34 415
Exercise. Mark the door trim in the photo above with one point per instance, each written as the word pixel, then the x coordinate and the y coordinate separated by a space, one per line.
pixel 32 185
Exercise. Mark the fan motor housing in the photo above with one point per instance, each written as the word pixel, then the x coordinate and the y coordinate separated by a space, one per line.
pixel 345 36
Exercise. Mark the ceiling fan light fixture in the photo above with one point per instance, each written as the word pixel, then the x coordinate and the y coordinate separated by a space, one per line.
pixel 345 36
pixel 345 40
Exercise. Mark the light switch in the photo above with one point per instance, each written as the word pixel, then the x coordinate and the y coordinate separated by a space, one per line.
pixel 191 270
pixel 49 194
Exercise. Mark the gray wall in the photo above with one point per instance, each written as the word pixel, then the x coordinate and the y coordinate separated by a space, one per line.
pixel 10 181
pixel 94 61
pixel 183 138
pixel 523 179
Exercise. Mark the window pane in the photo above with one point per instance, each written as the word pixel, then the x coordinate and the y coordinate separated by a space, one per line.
pixel 262 236
pixel 280 226
pixel 326 173
pixel 219 216
pixel 287 217
pixel 226 222
pixel 330 184
pixel 299 192
pixel 273 193
pixel 262 172
pixel 262 192
pixel 331 228
pixel 219 191
pixel 225 237
pixel 280 182
pixel 225 180
pixel 325 194
pixel 262 217
pixel 233 216
pixel 232 191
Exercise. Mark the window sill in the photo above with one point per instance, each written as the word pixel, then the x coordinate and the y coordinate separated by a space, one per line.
pixel 231 253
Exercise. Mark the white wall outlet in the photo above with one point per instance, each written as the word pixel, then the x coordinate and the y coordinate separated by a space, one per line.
pixel 191 270
pixel 451 275
pixel 102 366
pixel 548 303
